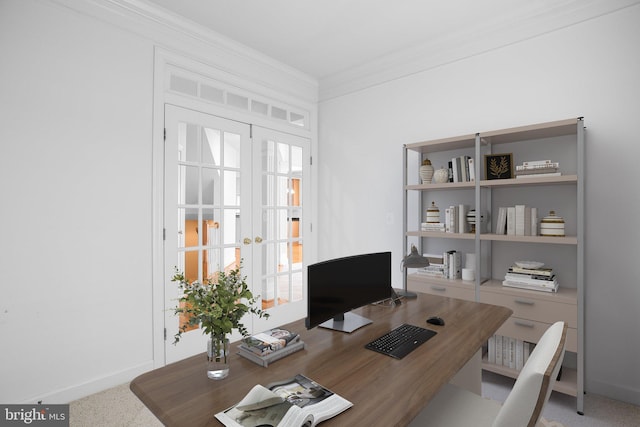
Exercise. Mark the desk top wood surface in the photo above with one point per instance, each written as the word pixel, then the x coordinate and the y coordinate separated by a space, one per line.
pixel 383 390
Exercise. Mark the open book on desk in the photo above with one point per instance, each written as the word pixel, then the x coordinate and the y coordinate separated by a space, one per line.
pixel 296 402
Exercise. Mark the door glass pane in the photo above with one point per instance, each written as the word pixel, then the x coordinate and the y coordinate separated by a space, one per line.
pixel 231 150
pixel 192 142
pixel 231 188
pixel 283 158
pixel 282 224
pixel 210 186
pixel 268 157
pixel 268 224
pixel 231 226
pixel 211 147
pixel 211 219
pixel 188 189
pixel 296 159
pixel 283 191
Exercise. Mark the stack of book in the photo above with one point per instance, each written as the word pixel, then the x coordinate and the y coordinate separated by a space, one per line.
pixel 270 346
pixel 462 169
pixel 537 279
pixel 435 267
pixel 455 219
pixel 432 226
pixel 518 220
pixel 508 352
pixel 537 169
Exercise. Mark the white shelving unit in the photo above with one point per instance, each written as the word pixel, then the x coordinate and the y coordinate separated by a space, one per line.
pixel 562 141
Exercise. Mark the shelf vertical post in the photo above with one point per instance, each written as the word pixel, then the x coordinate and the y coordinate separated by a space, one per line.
pixel 580 265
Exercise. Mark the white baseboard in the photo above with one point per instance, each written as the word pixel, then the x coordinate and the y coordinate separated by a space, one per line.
pixel 78 391
pixel 613 391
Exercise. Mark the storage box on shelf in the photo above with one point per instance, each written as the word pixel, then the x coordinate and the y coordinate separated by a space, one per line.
pixel 534 311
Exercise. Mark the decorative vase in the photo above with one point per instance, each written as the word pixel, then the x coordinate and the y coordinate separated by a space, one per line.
pixel 441 176
pixel 218 357
pixel 426 171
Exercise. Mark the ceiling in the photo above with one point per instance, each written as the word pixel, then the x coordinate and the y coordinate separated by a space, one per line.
pixel 326 38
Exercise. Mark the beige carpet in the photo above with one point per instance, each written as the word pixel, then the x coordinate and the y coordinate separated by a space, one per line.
pixel 119 407
pixel 115 407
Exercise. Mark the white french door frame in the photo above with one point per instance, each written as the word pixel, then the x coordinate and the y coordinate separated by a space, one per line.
pixel 164 59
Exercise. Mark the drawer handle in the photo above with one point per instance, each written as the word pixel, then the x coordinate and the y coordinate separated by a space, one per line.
pixel 524 301
pixel 523 323
pixel 439 288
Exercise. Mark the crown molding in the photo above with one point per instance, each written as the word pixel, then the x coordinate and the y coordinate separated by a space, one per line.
pixel 463 43
pixel 173 32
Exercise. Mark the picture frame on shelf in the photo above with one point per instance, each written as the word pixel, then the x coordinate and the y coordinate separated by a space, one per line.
pixel 498 166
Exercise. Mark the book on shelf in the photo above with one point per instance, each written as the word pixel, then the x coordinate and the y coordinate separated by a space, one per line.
pixel 509 352
pixel 522 220
pixel 269 341
pixel 511 220
pixel 295 402
pixel 537 164
pixel 432 226
pixel 453 264
pixel 432 271
pixel 462 218
pixel 501 222
pixel 472 169
pixel 515 275
pixel 535 171
pixel 546 282
pixel 542 271
pixel 271 357
pixel 553 287
pixel 538 175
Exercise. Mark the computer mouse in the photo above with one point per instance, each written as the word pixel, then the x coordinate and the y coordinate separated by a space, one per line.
pixel 435 320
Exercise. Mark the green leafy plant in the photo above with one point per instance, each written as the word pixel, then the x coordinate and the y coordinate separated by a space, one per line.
pixel 217 306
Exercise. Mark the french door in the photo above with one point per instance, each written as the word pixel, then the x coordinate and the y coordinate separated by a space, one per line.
pixel 280 200
pixel 230 200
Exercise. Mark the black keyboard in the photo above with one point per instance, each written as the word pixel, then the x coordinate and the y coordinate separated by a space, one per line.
pixel 400 341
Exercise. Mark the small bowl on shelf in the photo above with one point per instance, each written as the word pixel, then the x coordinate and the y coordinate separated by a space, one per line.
pixel 529 264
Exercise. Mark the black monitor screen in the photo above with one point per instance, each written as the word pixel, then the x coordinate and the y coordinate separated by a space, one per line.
pixel 339 285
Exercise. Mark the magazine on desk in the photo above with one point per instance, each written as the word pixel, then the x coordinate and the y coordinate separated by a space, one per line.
pixel 296 402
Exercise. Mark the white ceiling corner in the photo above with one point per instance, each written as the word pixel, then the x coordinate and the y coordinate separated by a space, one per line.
pixel 347 45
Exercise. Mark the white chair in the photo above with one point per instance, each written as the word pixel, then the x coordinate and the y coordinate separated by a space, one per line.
pixel 456 407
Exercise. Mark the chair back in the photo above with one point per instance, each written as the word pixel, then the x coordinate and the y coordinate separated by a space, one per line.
pixel 531 391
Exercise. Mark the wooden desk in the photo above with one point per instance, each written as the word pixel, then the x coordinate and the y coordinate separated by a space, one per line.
pixel 384 391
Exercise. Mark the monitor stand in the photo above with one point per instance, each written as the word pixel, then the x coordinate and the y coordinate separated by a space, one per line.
pixel 348 322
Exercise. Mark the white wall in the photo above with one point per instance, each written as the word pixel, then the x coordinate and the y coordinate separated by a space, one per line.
pixel 589 70
pixel 75 179
pixel 77 186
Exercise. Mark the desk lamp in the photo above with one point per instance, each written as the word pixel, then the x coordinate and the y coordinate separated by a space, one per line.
pixel 413 260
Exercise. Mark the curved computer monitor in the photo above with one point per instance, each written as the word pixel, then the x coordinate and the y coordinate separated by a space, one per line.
pixel 337 286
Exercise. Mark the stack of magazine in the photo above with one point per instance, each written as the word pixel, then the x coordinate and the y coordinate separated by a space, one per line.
pixel 531 276
pixel 270 346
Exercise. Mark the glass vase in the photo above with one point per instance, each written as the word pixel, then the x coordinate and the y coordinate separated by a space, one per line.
pixel 218 357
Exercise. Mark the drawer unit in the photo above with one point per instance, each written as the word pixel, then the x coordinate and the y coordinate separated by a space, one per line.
pixel 442 287
pixel 531 331
pixel 527 305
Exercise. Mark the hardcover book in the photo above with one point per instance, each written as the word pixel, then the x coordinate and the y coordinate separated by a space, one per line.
pixel 295 402
pixel 271 357
pixel 269 341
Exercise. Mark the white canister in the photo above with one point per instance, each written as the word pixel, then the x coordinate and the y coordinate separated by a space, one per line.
pixel 433 213
pixel 552 225
pixel 468 274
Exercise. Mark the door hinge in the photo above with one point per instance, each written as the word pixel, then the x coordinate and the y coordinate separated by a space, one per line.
pixel 164 234
pixel 311 160
pixel 165 334
pixel 164 136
